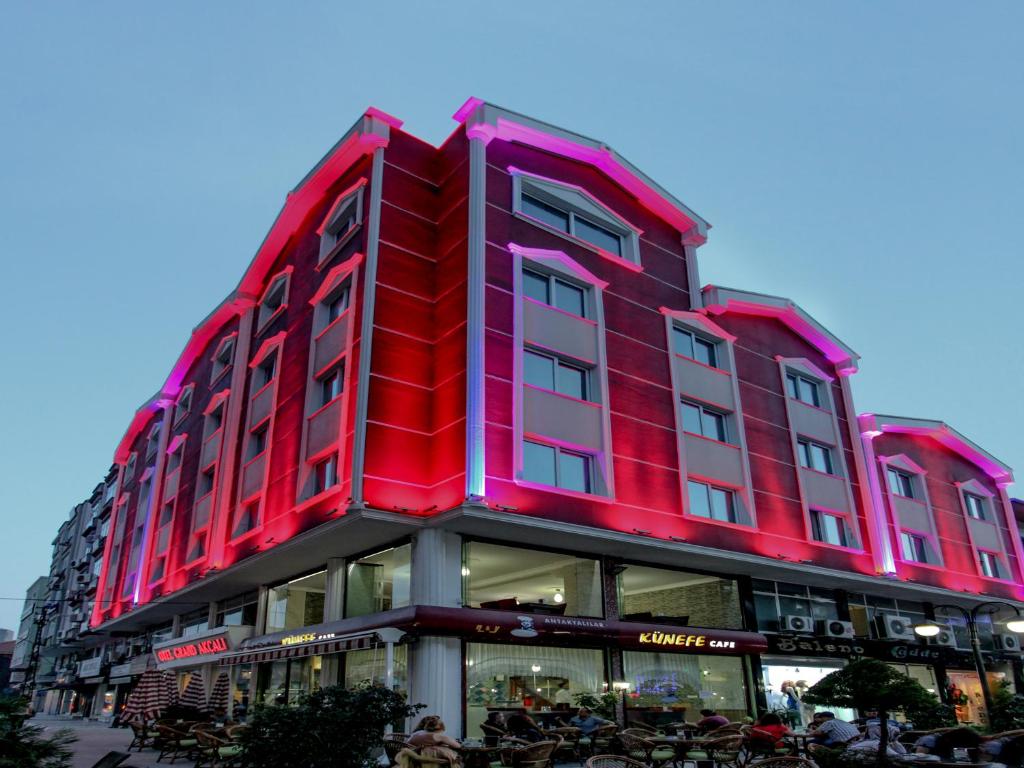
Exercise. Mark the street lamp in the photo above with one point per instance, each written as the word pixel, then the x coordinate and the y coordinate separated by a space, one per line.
pixel 931 629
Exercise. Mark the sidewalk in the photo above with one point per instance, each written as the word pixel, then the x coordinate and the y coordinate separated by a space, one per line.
pixel 96 739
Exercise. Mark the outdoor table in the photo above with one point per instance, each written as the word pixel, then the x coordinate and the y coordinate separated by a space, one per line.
pixel 801 739
pixel 477 755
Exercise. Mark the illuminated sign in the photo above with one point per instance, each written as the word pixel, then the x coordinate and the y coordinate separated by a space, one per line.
pixel 309 637
pixel 683 639
pixel 197 648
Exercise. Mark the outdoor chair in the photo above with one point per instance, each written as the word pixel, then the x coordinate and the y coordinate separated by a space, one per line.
pixel 111 760
pixel 233 732
pixel 394 744
pixel 570 746
pixel 725 752
pixel 141 736
pixel 492 734
pixel 761 744
pixel 536 755
pixel 410 758
pixel 728 728
pixel 209 744
pixel 613 761
pixel 175 743
pixel 644 727
pixel 644 750
pixel 601 738
pixel 789 761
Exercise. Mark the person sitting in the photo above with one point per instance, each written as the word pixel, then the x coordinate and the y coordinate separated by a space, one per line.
pixel 872 740
pixel 432 742
pixel 1008 752
pixel 768 732
pixel 586 721
pixel 522 726
pixel 709 720
pixel 957 738
pixel 493 728
pixel 830 732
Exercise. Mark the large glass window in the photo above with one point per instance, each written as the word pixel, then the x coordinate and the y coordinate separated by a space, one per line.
pixel 378 582
pixel 299 603
pixel 512 677
pixel 694 347
pixel 773 600
pixel 285 681
pixel 664 687
pixel 370 666
pixel 238 611
pixel 652 594
pixel 195 622
pixel 509 578
pixel 711 502
pixel 550 465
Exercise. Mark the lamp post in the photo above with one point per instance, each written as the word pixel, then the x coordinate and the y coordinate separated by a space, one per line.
pixel 930 629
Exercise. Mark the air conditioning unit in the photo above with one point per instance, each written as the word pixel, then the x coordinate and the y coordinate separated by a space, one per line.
pixel 946 637
pixel 896 628
pixel 1008 642
pixel 794 623
pixel 835 628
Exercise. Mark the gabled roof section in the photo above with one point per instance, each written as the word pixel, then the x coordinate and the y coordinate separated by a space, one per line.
pixel 873 424
pixel 490 121
pixel 370 131
pixel 719 300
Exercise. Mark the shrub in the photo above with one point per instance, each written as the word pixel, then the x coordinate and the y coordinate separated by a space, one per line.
pixel 24 746
pixel 334 727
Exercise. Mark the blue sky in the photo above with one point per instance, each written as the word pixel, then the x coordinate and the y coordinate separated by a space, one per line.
pixel 863 159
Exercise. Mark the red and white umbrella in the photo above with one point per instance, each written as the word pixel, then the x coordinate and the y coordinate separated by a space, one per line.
pixel 148 699
pixel 170 688
pixel 220 695
pixel 194 695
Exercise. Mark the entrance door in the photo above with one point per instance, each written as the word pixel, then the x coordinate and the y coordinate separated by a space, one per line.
pixel 787 679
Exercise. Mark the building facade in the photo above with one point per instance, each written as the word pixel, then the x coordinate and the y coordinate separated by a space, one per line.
pixel 469 426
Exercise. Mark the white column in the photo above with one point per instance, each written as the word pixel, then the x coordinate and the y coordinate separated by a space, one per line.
pixel 435 679
pixel 334 609
pixel 436 568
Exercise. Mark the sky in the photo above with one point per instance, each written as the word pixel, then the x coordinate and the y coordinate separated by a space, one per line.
pixel 863 159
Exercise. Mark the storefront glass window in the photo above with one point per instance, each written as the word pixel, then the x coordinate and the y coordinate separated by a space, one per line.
pixel 773 600
pixel 787 680
pixel 369 666
pixel 299 603
pixel 284 682
pixel 509 578
pixel 237 611
pixel 378 582
pixel 867 610
pixel 507 677
pixel 664 687
pixel 195 622
pixel 161 634
pixel 650 594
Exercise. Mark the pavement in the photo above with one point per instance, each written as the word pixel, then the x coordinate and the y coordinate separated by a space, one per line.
pixel 96 739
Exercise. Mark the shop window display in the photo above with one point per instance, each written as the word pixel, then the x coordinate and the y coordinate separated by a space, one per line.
pixel 673 687
pixel 786 681
pixel 653 594
pixel 538 679
pixel 509 578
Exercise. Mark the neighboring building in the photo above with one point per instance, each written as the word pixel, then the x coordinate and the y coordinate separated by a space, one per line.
pixel 470 427
pixel 6 652
pixel 34 599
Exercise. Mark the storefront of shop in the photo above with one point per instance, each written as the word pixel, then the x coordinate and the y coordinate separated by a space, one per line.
pixel 201 654
pixel 121 679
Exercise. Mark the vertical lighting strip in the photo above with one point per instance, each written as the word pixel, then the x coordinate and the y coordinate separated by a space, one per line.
pixel 479 136
pixel 877 515
pixel 366 326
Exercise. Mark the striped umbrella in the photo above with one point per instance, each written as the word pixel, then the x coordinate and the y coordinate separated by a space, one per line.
pixel 169 689
pixel 194 695
pixel 148 699
pixel 220 695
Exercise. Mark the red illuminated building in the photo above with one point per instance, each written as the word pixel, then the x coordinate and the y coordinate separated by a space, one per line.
pixel 469 425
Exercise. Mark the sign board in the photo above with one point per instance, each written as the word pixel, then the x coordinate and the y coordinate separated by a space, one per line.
pixel 199 649
pixel 850 648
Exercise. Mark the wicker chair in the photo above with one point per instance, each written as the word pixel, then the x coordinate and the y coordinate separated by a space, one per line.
pixel 536 755
pixel 760 744
pixel 789 761
pixel 213 749
pixel 394 744
pixel 726 752
pixel 570 745
pixel 649 729
pixel 174 742
pixel 410 758
pixel 492 733
pixel 601 738
pixel 141 736
pixel 724 730
pixel 613 761
pixel 644 750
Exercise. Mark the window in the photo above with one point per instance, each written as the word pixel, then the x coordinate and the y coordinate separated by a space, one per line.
pixel 555 292
pixel 378 582
pixel 694 599
pixel 258 440
pixel 195 622
pixel 298 603
pixel 694 347
pixel 828 529
pixel 900 483
pixel 772 600
pixel 214 421
pixel 989 562
pixel 815 456
pixel 274 300
pixel 174 460
pixel 344 218
pixel 248 519
pixel 325 474
pixel 803 389
pixel 975 506
pixel 499 577
pixel 711 502
pixel 152 442
pixel 265 371
pixel 571 211
pixel 205 482
pixel 237 611
pixel 548 372
pixel 337 303
pixel 699 420
pixel 548 465
pixel 222 357
pixel 331 384
pixel 129 468
pixel 692 682
pixel 913 547
pixel 184 405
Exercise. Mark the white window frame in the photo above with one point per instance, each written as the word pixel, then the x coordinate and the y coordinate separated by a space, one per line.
pixel 809 444
pixel 575 201
pixel 916 474
pixel 185 396
pixel 330 239
pixel 980 505
pixel 996 559
pixel 557 362
pixel 727 428
pixel 914 537
pixel 802 378
pixel 219 368
pixel 708 487
pixel 818 517
pixel 558 452
pixel 900 476
pixel 553 280
pixel 267 314
pixel 694 339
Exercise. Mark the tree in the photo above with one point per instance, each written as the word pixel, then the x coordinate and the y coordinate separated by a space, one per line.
pixel 1007 710
pixel 871 684
pixel 24 746
pixel 334 727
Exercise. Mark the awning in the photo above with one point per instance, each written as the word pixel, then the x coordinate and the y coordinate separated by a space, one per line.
pixel 299 650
